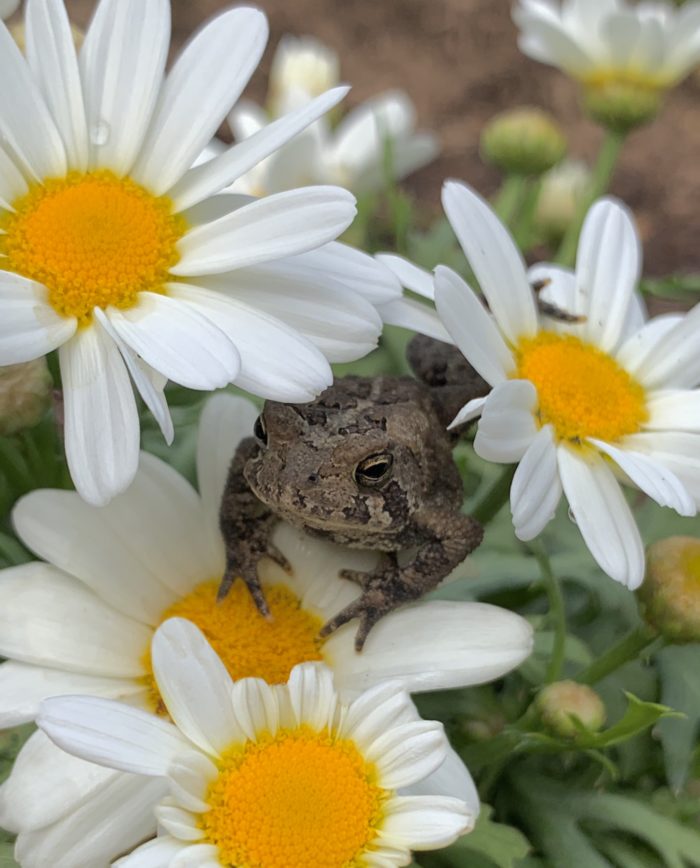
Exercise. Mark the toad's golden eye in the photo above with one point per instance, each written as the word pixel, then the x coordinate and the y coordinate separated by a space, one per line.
pixel 374 470
pixel 260 429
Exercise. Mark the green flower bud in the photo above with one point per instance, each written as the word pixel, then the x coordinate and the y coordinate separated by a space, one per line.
pixel 670 595
pixel 523 141
pixel 622 105
pixel 25 392
pixel 562 701
pixel 563 188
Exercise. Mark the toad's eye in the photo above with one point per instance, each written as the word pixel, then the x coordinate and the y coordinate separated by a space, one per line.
pixel 260 429
pixel 374 470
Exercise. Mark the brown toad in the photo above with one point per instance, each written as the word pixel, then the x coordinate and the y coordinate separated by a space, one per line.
pixel 368 464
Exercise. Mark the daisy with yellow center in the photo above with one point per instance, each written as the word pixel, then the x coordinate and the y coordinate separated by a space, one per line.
pixel 352 153
pixel 116 252
pixel 578 405
pixel 625 55
pixel 274 776
pixel 83 623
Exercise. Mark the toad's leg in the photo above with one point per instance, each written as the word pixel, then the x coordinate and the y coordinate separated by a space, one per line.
pixel 451 537
pixel 246 525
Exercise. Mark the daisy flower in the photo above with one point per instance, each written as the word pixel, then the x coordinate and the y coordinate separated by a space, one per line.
pixel 273 776
pixel 118 254
pixel 625 56
pixel 83 623
pixel 576 404
pixel 352 153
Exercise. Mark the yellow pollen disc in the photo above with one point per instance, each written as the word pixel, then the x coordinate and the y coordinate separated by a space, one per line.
pixel 300 798
pixel 93 240
pixel 581 391
pixel 642 79
pixel 249 645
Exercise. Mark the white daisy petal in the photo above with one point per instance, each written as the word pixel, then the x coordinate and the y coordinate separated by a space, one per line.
pixel 122 63
pixel 407 753
pixel 452 778
pixel 312 695
pixel 149 383
pixel 673 361
pixel 54 65
pixel 206 80
pixel 546 41
pixel 256 707
pixel 470 411
pixel 27 129
pixel 197 856
pixel 101 419
pixel 360 272
pixel 382 706
pixel 22 687
pixel 46 784
pixel 178 822
pixel 536 488
pixel 281 225
pixel 425 822
pixel 608 266
pixel 177 341
pixel 195 685
pixel 494 258
pixel 477 644
pixel 213 176
pixel 416 279
pixel 246 118
pixel 471 327
pixel 416 316
pixel 634 351
pixel 341 324
pixel 652 478
pixel 507 424
pixel 37 603
pixel 190 777
pixel 111 733
pixel 677 451
pixel 157 853
pixel 674 410
pixel 13 184
pixel 276 361
pixel 29 327
pixel 118 817
pixel 602 515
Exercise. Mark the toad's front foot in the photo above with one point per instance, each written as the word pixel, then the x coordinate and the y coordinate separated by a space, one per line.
pixel 243 563
pixel 382 591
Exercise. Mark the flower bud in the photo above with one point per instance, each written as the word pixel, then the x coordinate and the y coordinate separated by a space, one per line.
pixel 621 105
pixel 302 68
pixel 25 392
pixel 563 188
pixel 670 595
pixel 523 141
pixel 560 702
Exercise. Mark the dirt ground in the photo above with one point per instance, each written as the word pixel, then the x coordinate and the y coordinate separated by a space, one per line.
pixel 459 61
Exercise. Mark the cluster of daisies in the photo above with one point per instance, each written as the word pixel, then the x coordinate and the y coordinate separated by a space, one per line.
pixel 175 731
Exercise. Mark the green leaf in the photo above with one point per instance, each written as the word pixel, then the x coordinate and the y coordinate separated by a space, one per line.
pixel 7 857
pixel 502 845
pixel 11 741
pixel 680 688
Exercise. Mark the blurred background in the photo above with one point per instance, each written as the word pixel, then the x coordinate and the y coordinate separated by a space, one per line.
pixel 459 62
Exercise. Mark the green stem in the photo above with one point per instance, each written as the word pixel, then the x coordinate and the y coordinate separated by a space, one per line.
pixel 600 180
pixel 491 503
pixel 628 648
pixel 509 197
pixel 557 612
pixel 522 228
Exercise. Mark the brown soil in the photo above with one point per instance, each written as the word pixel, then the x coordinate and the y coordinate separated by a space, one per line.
pixel 459 61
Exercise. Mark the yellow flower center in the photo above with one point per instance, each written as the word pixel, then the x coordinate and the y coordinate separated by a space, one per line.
pixel 249 645
pixel 582 392
pixel 299 798
pixel 93 240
